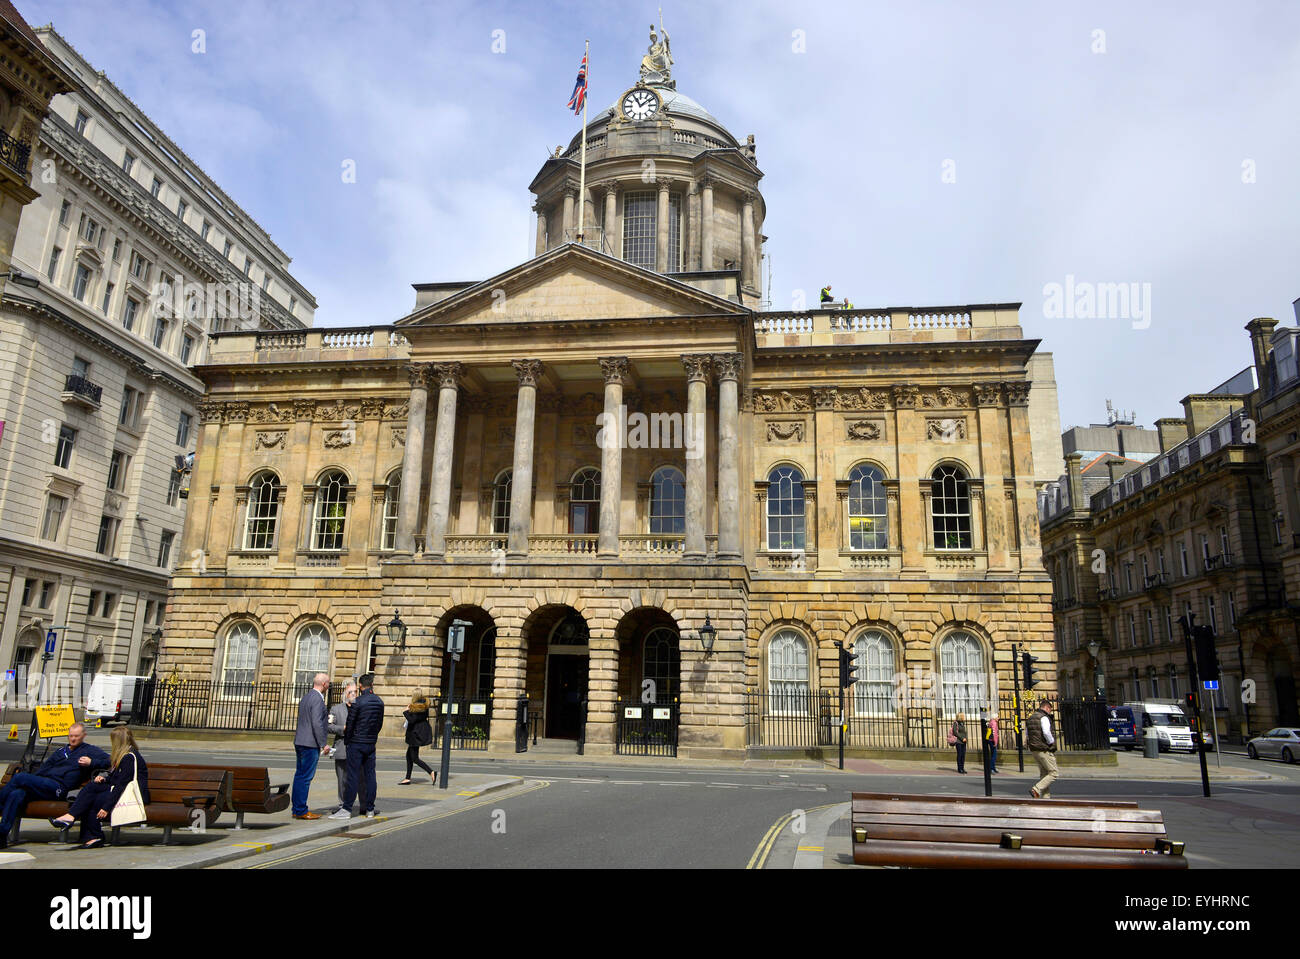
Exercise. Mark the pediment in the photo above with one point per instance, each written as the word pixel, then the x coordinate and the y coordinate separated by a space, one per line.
pixel 570 284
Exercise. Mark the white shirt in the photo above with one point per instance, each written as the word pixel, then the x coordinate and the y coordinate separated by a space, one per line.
pixel 1047 731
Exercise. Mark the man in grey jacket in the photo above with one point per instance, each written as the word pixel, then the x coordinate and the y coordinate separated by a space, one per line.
pixel 338 723
pixel 309 742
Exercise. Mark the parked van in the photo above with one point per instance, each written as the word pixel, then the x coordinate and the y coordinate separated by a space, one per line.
pixel 1122 727
pixel 109 699
pixel 1169 721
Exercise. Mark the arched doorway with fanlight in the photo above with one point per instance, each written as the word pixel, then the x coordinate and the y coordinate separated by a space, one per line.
pixel 558 643
pixel 462 697
pixel 648 711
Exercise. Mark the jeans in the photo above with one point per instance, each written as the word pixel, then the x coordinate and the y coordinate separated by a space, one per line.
pixel 341 773
pixel 22 789
pixel 308 756
pixel 361 768
pixel 993 757
pixel 961 757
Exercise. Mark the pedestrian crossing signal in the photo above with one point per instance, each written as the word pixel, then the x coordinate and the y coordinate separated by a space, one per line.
pixel 848 669
pixel 1027 668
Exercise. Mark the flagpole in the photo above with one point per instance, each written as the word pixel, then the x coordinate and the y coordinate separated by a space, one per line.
pixel 582 169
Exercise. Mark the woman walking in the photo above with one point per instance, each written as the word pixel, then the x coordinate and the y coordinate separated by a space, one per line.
pixel 993 745
pixel 419 732
pixel 957 736
pixel 96 800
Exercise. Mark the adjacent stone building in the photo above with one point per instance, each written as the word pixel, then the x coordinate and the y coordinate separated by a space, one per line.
pixel 601 454
pixel 129 256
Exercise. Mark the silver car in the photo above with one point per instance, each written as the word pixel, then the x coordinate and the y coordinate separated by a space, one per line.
pixel 1281 743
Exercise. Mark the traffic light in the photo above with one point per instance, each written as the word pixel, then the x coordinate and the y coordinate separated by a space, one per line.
pixel 847 669
pixel 1207 658
pixel 1027 669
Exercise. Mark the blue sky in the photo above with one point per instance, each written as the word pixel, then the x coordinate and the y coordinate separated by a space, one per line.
pixel 1122 166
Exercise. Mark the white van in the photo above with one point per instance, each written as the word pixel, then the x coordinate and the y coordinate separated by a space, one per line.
pixel 109 699
pixel 1169 721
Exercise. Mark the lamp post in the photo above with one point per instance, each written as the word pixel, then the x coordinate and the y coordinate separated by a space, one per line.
pixel 708 636
pixel 1094 650
pixel 397 631
pixel 51 637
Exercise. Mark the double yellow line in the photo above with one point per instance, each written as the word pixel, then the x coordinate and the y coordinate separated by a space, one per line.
pixel 765 845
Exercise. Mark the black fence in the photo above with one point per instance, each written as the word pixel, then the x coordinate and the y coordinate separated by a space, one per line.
pixel 204 704
pixel 647 729
pixel 804 719
pixel 470 721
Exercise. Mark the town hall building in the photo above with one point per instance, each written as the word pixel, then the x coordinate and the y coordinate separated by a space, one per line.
pixel 644 494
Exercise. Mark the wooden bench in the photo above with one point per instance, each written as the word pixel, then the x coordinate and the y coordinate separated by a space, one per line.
pixel 178 796
pixel 250 791
pixel 978 832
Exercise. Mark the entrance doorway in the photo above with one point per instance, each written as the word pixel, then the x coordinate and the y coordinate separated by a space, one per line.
pixel 566 689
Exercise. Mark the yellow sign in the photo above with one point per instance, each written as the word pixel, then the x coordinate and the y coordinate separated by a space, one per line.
pixel 13 732
pixel 52 722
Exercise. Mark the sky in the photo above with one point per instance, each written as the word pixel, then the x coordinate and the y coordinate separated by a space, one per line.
pixel 914 154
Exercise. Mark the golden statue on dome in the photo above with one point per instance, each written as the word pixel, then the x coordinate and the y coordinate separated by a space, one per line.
pixel 657 64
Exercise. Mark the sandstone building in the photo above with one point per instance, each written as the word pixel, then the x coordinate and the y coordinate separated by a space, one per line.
pixel 132 255
pixel 596 455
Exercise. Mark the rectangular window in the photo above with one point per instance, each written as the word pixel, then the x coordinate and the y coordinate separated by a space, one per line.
pixel 54 262
pixel 183 429
pixel 1160 562
pixel 1232 609
pixel 225 250
pixel 80 124
pixel 108 296
pixel 156 189
pixel 128 163
pixel 203 230
pixel 63 452
pixel 1151 632
pixel 117 250
pixel 181 209
pixel 1128 577
pixel 90 663
pixel 248 266
pixel 127 416
pixel 55 507
pixel 47 594
pixel 639 230
pixel 1213 612
pixel 29 587
pixel 106 542
pixel 63 212
pixel 1169 624
pixel 174 488
pixel 80 283
pixel 128 313
pixel 119 465
pixel 92 608
pixel 293 303
pixel 110 604
pixel 266 282
pixel 1223 541
pixel 165 548
pixel 90 230
pixel 148 612
pixel 140 267
pixel 1182 556
pixel 1132 631
pixel 81 367
pixel 674 233
pixel 159 332
pixel 187 347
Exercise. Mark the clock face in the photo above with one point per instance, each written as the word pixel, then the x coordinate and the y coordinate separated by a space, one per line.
pixel 640 105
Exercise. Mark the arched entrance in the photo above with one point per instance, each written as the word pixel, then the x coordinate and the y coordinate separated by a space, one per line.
pixel 649 657
pixel 1277 665
pixel 558 642
pixel 477 665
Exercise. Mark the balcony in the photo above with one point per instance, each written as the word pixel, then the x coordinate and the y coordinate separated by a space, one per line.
pixel 82 392
pixel 15 153
pixel 1217 566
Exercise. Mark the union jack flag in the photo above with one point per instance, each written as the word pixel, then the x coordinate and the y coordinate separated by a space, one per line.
pixel 579 88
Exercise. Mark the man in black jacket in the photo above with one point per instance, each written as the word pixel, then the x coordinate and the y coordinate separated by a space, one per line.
pixel 67 769
pixel 365 717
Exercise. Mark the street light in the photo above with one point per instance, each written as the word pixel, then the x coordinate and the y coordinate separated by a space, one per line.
pixel 1094 650
pixel 397 631
pixel 708 635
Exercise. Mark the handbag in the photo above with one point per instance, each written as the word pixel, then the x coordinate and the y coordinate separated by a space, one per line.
pixel 129 808
pixel 952 737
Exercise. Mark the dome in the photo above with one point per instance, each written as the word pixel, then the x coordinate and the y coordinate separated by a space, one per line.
pixel 674 103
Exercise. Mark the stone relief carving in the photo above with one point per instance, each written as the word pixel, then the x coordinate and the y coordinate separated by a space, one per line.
pixel 947 430
pixel 336 412
pixel 782 401
pixel 272 413
pixel 337 439
pixel 824 397
pixel 398 438
pixel 270 440
pixel 863 430
pixel 396 411
pixel 987 394
pixel 506 434
pixel 1017 393
pixel 784 432
pixel 584 434
pixel 905 397
pixel 861 399
pixel 945 396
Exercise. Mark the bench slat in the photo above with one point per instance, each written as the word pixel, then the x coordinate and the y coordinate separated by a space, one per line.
pixel 1008 822
pixel 994 800
pixel 993 835
pixel 1025 810
pixel 974 856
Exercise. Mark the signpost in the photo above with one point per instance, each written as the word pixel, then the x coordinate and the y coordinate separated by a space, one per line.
pixel 455 646
pixel 1213 684
pixel 51 638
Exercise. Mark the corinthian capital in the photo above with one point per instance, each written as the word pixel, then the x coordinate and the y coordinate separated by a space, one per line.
pixel 614 368
pixel 727 366
pixel 528 371
pixel 417 374
pixel 447 375
pixel 697 366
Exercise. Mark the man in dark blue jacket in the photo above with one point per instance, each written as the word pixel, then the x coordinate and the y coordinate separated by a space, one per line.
pixel 365 717
pixel 65 770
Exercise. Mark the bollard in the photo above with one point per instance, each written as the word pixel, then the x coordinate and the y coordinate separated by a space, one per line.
pixel 1150 743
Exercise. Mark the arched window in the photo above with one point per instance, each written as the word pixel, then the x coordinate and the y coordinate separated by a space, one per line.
pixel 868 513
pixel 640 228
pixel 502 490
pixel 239 665
pixel 1154 678
pixel 263 511
pixel 313 654
pixel 874 691
pixel 661 663
pixel 963 675
pixel 667 501
pixel 487 658
pixel 1173 681
pixel 787 673
pixel 370 661
pixel 392 509
pixel 331 511
pixel 950 508
pixel 584 502
pixel 785 510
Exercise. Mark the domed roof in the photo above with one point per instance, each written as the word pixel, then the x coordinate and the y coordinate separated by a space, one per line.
pixel 675 103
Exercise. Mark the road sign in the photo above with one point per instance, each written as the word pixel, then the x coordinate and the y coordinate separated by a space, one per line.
pixel 1211 684
pixel 11 675
pixel 53 721
pixel 50 637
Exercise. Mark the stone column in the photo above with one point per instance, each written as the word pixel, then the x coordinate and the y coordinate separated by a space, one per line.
pixel 541 228
pixel 914 519
pixel 569 194
pixel 611 243
pixel 697 465
pixel 408 511
pixel 692 229
pixel 706 223
pixel 661 222
pixel 727 366
pixel 614 369
pixel 521 488
pixel 448 376
pixel 747 241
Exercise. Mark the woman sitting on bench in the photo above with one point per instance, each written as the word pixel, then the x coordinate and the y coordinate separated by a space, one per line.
pixel 95 802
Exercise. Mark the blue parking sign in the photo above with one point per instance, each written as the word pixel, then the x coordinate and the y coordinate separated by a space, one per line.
pixel 1211 684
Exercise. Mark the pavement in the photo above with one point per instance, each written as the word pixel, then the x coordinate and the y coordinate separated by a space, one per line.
pixel 141 847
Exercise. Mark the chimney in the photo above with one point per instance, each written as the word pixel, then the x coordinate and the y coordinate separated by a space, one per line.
pixel 1261 329
pixel 1075 481
pixel 1172 432
pixel 1203 410
pixel 1116 467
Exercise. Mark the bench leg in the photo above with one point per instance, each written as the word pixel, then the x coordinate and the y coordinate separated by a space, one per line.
pixel 13 833
pixel 65 834
pixel 113 837
pixel 167 835
pixel 239 820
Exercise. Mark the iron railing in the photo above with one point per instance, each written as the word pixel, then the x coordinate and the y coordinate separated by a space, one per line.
pixel 809 719
pixel 470 721
pixel 14 153
pixel 82 387
pixel 647 729
pixel 205 704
